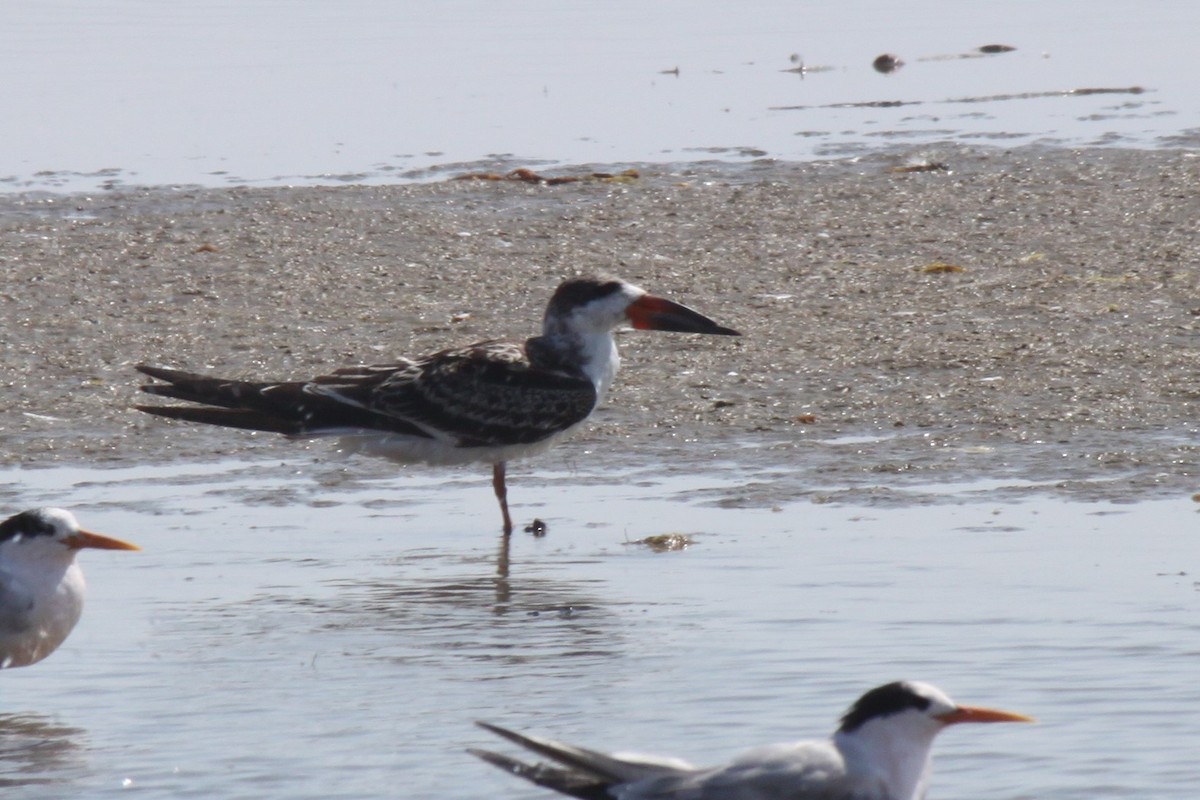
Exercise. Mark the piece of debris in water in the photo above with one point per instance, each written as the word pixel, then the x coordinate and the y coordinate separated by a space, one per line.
pixel 996 48
pixel 887 63
pixel 529 176
pixel 803 69
pixel 924 166
pixel 1103 90
pixel 665 542
pixel 938 267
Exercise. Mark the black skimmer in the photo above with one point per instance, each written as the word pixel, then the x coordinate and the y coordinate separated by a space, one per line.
pixel 881 751
pixel 41 586
pixel 491 401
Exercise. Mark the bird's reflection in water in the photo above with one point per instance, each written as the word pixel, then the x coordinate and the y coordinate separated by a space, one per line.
pixel 37 751
pixel 502 559
pixel 506 620
pixel 422 606
pixel 446 618
pixel 537 529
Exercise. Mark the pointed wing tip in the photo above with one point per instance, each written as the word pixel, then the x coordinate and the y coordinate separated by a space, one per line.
pixel 486 755
pixel 496 729
pixel 167 374
pixel 511 765
pixel 151 370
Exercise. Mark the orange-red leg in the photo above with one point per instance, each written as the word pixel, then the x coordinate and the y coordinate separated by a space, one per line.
pixel 501 490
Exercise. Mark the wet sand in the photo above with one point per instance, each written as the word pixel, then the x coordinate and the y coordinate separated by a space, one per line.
pixel 1030 314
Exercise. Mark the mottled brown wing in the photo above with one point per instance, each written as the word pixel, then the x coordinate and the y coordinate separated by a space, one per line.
pixel 295 408
pixel 482 395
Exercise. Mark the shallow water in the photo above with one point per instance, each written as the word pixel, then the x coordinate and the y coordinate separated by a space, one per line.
pixel 292 630
pixel 298 629
pixel 270 92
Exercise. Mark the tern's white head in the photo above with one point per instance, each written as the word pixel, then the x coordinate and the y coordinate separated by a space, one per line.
pixel 583 313
pixel 50 535
pixel 888 733
pixel 41 586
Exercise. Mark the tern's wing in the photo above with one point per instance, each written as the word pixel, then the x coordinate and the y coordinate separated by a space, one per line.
pixel 16 604
pixel 800 771
pixel 578 772
pixel 560 779
pixel 484 394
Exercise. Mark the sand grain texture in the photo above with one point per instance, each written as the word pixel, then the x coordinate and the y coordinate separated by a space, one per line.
pixel 1072 324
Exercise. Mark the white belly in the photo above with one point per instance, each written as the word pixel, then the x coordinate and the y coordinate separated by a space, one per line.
pixel 38 623
pixel 412 450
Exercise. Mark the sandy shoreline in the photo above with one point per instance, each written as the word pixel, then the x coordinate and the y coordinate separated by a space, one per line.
pixel 1072 323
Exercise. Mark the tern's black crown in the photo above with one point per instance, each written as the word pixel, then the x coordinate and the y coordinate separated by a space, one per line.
pixel 27 523
pixel 883 701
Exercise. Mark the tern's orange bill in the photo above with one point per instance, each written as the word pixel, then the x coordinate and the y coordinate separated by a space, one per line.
pixel 83 539
pixel 975 714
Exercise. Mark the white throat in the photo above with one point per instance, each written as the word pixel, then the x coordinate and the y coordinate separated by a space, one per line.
pixel 600 362
pixel 583 336
pixel 593 352
pixel 900 760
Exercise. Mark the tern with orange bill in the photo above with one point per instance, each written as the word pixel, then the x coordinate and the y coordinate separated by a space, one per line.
pixel 41 585
pixel 488 402
pixel 881 751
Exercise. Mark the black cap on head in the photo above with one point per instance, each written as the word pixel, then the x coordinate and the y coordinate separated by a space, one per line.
pixel 578 292
pixel 27 523
pixel 883 701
